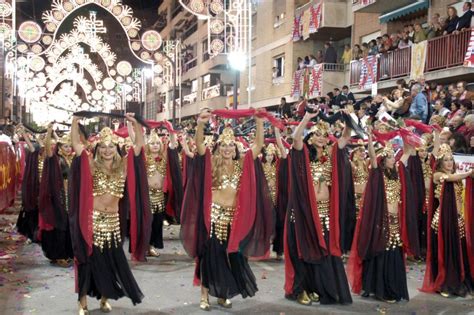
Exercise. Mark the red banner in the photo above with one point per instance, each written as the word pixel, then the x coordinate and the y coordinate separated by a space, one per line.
pixel 10 170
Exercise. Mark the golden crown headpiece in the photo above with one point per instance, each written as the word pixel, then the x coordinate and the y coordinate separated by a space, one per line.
pixel 444 150
pixel 65 139
pixel 106 136
pixel 320 127
pixel 209 141
pixel 153 137
pixel 386 150
pixel 271 149
pixel 227 136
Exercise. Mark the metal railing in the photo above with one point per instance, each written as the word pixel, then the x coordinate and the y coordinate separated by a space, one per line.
pixel 441 53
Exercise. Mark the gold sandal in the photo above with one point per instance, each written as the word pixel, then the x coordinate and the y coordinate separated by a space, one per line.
pixel 83 310
pixel 303 298
pixel 204 305
pixel 105 306
pixel 225 303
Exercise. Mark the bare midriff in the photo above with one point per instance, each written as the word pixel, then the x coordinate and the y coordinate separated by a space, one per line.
pixel 224 197
pixel 321 191
pixel 359 188
pixel 106 203
pixel 156 181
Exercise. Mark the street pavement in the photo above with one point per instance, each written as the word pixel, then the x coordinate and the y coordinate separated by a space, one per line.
pixel 30 285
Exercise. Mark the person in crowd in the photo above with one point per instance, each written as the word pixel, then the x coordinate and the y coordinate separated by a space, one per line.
pixel 320 57
pixel 387 42
pixel 306 61
pixel 373 48
pixel 439 108
pixel 455 110
pixel 346 55
pixel 458 143
pixel 300 63
pixel 348 94
pixel 451 21
pixel 330 55
pixel 419 105
pixel 356 52
pixel 411 33
pixel 365 50
pixel 449 258
pixel 464 21
pixel 445 99
pixel 284 109
pixel 312 61
pixel 419 34
pixel 463 94
pixel 469 130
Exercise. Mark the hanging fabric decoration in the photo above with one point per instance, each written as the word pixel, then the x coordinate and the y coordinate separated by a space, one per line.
pixel 295 88
pixel 316 80
pixel 297 28
pixel 368 72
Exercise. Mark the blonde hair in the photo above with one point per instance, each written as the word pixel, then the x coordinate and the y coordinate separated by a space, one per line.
pixel 117 163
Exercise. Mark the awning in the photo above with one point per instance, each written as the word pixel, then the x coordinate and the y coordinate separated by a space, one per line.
pixel 406 10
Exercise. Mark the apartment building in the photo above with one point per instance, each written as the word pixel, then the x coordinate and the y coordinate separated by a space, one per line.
pixel 205 79
pixel 444 54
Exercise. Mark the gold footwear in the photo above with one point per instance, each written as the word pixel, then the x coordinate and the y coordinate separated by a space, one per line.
pixel 63 263
pixel 226 303
pixel 303 298
pixel 105 306
pixel 83 310
pixel 313 297
pixel 444 294
pixel 204 305
pixel 390 301
pixel 153 252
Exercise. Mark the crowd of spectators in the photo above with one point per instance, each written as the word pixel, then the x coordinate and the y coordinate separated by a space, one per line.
pixel 416 33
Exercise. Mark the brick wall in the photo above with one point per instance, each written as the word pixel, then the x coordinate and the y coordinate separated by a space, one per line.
pixel 364 24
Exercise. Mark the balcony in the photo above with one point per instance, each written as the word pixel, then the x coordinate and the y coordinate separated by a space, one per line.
pixel 211 92
pixel 378 6
pixel 191 98
pixel 327 19
pixel 318 80
pixel 442 53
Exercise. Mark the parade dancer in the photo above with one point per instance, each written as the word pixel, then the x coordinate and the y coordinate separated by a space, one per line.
pixel 222 221
pixel 386 228
pixel 360 171
pixel 163 169
pixel 27 223
pixel 450 257
pixel 313 266
pixel 53 201
pixel 105 188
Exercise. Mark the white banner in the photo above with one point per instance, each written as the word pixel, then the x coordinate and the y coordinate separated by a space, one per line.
pixel 464 162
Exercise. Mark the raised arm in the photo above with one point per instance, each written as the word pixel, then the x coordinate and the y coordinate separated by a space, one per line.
pixel 76 136
pixel 173 141
pixel 279 143
pixel 299 131
pixel 26 136
pixel 439 176
pixel 184 144
pixel 258 143
pixel 407 151
pixel 345 138
pixel 199 136
pixel 370 145
pixel 47 143
pixel 131 132
pixel 436 143
pixel 139 142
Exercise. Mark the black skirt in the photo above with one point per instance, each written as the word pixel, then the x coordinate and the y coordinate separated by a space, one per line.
pixel 327 277
pixel 453 284
pixel 278 243
pixel 385 276
pixel 107 274
pixel 27 224
pixel 156 239
pixel 225 275
pixel 56 244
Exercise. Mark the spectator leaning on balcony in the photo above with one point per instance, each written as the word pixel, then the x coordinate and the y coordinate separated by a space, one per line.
pixel 464 21
pixel 346 55
pixel 451 21
pixel 419 105
pixel 405 41
pixel 312 61
pixel 373 48
pixel 301 64
pixel 356 52
pixel 330 55
pixel 319 56
pixel 434 28
pixel 410 32
pixel 419 34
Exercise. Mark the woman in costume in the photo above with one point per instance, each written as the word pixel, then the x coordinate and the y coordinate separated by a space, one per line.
pixel 386 229
pixel 105 189
pixel 275 168
pixel 360 170
pixel 162 169
pixel 27 223
pixel 53 201
pixel 223 220
pixel 313 266
pixel 450 257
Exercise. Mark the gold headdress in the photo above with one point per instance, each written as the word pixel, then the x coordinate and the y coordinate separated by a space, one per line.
pixel 271 149
pixel 153 137
pixel 386 150
pixel 209 141
pixel 320 127
pixel 227 137
pixel 444 150
pixel 65 139
pixel 106 136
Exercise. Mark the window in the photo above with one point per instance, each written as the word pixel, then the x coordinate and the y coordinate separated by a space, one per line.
pixel 206 81
pixel 367 38
pixel 279 12
pixel 194 86
pixel 278 66
pixel 205 50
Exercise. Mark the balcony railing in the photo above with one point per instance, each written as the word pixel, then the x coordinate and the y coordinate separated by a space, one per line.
pixel 441 53
pixel 188 65
pixel 190 98
pixel 308 81
pixel 211 92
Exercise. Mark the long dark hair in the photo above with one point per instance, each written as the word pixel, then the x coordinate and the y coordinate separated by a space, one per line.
pixel 390 173
pixel 313 152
